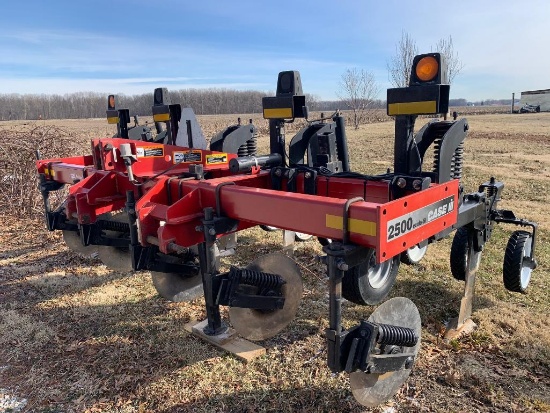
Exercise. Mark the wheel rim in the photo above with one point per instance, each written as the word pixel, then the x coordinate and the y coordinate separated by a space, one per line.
pixel 416 253
pixel 526 270
pixel 378 273
pixel 301 236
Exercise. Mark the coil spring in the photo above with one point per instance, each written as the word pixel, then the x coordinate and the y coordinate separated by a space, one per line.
pixel 114 226
pixel 259 279
pixel 437 150
pixel 490 191
pixel 458 161
pixel 397 336
pixel 439 129
pixel 252 145
pixel 243 150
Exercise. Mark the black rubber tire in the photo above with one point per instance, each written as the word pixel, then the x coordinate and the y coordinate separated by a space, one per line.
pixel 357 287
pixel 515 275
pixel 459 254
pixel 268 228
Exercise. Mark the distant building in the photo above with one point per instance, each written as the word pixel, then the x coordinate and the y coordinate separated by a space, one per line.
pixel 536 97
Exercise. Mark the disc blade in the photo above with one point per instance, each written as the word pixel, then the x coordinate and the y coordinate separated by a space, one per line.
pixel 117 259
pixel 373 389
pixel 261 325
pixel 73 242
pixel 175 287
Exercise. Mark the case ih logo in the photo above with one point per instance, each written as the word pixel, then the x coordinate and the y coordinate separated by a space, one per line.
pixel 406 223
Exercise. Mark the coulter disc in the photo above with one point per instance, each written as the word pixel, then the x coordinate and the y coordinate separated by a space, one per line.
pixel 115 258
pixel 176 287
pixel 261 325
pixel 72 240
pixel 371 389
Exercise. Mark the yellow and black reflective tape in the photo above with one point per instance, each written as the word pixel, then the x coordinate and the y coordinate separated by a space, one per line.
pixel 358 226
pixel 412 108
pixel 161 117
pixel 278 113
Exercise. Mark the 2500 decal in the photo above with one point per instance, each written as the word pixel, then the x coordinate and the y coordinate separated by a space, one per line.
pixel 404 224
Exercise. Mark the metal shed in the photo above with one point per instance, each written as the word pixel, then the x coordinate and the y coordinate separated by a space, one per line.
pixel 537 97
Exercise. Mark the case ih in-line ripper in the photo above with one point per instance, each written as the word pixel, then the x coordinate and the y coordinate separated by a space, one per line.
pixel 182 203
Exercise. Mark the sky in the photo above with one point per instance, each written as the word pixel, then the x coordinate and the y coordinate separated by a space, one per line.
pixel 123 46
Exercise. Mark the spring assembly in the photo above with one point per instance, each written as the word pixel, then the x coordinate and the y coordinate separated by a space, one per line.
pixel 397 336
pixel 439 129
pixel 114 226
pixel 257 278
pixel 243 150
pixel 252 145
pixel 437 149
pixel 458 161
pixel 490 191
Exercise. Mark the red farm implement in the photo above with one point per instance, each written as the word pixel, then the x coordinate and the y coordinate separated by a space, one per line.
pixel 176 213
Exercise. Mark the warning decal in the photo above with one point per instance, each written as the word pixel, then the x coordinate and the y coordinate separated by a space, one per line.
pixel 216 158
pixel 149 151
pixel 191 156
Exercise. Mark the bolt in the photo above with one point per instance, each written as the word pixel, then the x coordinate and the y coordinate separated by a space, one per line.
pixel 198 228
pixel 342 265
pixel 307 175
pixel 278 172
pixel 362 333
pixel 371 368
pixel 409 362
pixel 212 231
pixel 401 183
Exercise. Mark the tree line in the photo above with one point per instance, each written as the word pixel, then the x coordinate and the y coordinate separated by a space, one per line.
pixel 93 105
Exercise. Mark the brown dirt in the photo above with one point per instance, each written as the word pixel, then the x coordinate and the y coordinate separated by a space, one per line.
pixel 78 337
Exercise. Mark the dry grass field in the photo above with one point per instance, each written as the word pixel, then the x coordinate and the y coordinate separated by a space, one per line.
pixel 78 337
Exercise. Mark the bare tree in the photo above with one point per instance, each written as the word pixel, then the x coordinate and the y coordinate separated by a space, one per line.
pixel 358 89
pixel 454 64
pixel 400 66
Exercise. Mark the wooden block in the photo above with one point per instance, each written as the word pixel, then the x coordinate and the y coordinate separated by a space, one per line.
pixel 456 331
pixel 198 330
pixel 229 341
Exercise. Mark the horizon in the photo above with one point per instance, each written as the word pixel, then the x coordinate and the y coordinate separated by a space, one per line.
pixel 61 48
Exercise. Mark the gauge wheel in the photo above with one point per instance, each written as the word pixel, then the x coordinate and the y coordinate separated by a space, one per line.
pixel 369 283
pixel 518 265
pixel 414 254
pixel 459 254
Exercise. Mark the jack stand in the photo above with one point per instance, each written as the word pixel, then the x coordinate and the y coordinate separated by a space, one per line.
pixel 209 269
pixel 463 324
pixel 214 330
